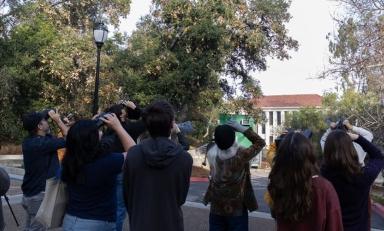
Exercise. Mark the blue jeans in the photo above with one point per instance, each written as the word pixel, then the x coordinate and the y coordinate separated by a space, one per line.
pixel 72 223
pixel 121 211
pixel 228 223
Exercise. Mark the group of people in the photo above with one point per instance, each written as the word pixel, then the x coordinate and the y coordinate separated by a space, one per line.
pixel 140 166
pixel 108 174
pixel 332 196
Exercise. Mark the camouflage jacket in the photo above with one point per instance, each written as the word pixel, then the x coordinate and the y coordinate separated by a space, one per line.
pixel 230 190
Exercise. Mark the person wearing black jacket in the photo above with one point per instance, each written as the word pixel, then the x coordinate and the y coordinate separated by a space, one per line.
pixel 156 175
pixel 128 115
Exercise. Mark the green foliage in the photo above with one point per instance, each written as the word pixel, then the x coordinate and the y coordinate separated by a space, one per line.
pixel 363 110
pixel 357 46
pixel 308 118
pixel 10 124
pixel 188 52
pixel 358 64
pixel 47 59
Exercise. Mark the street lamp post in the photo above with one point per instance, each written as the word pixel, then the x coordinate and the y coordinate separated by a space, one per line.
pixel 100 33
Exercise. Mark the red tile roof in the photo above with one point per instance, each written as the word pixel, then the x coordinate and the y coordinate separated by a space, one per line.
pixel 306 100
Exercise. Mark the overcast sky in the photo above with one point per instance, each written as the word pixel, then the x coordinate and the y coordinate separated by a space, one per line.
pixel 310 23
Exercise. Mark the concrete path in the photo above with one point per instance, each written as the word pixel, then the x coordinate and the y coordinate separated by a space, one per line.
pixel 195 219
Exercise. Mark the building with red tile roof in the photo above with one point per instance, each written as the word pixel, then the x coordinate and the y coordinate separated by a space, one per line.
pixel 276 108
pixel 289 101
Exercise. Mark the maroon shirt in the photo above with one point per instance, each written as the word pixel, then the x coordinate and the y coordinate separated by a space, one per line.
pixel 325 214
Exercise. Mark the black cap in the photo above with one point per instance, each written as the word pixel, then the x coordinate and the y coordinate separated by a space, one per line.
pixel 31 120
pixel 224 136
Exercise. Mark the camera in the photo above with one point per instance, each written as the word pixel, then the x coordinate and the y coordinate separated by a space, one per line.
pixel 339 124
pixel 99 122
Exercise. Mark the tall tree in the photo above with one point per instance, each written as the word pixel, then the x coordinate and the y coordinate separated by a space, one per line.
pixel 361 109
pixel 358 46
pixel 193 51
pixel 47 56
pixel 358 64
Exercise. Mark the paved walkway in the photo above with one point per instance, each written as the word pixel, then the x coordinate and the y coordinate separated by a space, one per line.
pixel 195 219
pixel 195 214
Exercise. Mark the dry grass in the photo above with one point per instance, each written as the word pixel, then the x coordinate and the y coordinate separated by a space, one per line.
pixel 199 172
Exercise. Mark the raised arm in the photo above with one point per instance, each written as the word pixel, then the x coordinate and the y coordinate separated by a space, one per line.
pixel 360 131
pixel 113 122
pixel 135 112
pixel 332 125
pixel 56 117
pixel 257 142
pixel 363 132
pixel 180 136
pixel 376 158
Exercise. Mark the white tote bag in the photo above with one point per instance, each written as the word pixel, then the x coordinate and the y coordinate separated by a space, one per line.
pixel 52 209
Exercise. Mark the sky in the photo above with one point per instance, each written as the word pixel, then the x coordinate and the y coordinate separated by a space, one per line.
pixel 311 22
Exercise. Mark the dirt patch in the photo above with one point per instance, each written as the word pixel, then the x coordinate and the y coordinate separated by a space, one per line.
pixel 199 172
pixel 10 149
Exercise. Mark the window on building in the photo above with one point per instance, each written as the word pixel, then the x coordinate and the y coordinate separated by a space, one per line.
pixel 278 115
pixel 270 139
pixel 270 118
pixel 263 128
pixel 245 122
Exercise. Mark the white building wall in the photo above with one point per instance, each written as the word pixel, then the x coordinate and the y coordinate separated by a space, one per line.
pixel 270 129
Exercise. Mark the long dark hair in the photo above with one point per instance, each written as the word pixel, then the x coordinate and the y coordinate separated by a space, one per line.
pixel 82 147
pixel 290 184
pixel 117 109
pixel 341 155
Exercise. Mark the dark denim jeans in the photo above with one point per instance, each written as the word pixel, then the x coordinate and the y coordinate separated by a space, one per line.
pixel 228 223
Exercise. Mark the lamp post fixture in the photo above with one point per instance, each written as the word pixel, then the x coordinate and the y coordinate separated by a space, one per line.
pixel 100 33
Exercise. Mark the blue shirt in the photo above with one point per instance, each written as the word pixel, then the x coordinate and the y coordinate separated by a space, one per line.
pixel 40 162
pixel 96 198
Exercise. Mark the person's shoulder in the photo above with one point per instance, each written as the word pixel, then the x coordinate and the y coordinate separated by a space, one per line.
pixel 135 148
pixel 50 138
pixel 323 184
pixel 186 156
pixel 320 180
pixel 116 155
pixel 26 140
pixel 134 151
pixel 34 141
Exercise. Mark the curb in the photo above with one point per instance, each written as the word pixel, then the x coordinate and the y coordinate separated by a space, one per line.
pixel 379 209
pixel 199 179
pixel 253 214
pixel 12 170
